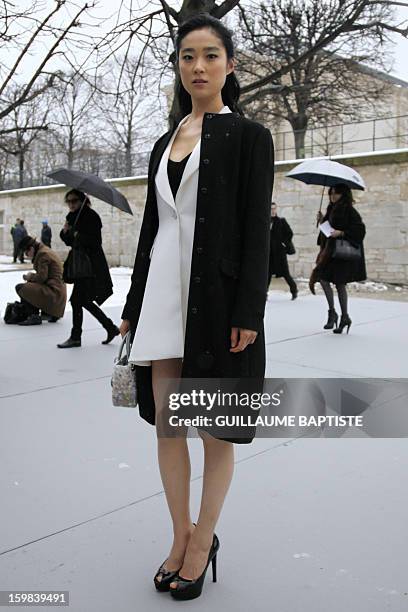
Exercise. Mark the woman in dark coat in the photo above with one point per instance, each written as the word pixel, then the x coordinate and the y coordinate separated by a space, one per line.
pixel 224 333
pixel 347 224
pixel 280 236
pixel 83 230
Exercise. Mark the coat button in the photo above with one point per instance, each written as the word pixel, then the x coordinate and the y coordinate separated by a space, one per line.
pixel 197 279
pixel 204 190
pixel 199 250
pixel 194 310
pixel 201 219
pixel 143 254
pixel 206 161
pixel 207 135
pixel 227 134
pixel 209 116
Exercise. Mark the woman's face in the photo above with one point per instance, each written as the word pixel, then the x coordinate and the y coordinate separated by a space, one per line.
pixel 203 64
pixel 334 196
pixel 73 202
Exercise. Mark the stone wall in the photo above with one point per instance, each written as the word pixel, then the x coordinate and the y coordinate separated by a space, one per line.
pixel 384 208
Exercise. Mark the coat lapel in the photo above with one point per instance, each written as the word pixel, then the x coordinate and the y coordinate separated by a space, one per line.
pixel 192 165
pixel 162 180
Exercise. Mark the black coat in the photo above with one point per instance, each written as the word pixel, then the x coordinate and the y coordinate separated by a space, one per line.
pixel 46 235
pixel 346 218
pixel 280 234
pixel 229 268
pixel 89 236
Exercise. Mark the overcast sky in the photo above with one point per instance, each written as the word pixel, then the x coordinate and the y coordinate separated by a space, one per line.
pixel 401 49
pixel 401 44
pixel 107 8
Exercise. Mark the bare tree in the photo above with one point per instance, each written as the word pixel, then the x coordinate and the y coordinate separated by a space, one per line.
pixel 5 167
pixel 72 115
pixel 320 84
pixel 130 120
pixel 46 31
pixel 156 27
pixel 154 31
pixel 25 123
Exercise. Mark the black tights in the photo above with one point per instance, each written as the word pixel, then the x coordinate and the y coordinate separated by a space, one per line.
pixel 341 293
pixel 77 317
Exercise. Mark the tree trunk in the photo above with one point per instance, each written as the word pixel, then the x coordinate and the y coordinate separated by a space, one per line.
pixel 128 152
pixel 70 152
pixel 299 127
pixel 300 143
pixel 21 163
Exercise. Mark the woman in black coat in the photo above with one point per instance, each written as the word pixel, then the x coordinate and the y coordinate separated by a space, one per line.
pixel 280 237
pixel 83 231
pixel 347 224
pixel 224 335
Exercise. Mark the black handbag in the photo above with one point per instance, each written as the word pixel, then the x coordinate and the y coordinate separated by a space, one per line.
pixel 15 313
pixel 345 250
pixel 290 248
pixel 77 265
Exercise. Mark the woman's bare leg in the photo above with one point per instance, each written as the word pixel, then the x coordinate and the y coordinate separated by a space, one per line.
pixel 174 464
pixel 218 471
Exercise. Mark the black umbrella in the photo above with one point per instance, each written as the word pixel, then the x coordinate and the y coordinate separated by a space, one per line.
pixel 91 185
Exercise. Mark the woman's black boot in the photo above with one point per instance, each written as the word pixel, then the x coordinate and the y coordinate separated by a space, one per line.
pixel 332 319
pixel 112 332
pixel 345 321
pixel 190 589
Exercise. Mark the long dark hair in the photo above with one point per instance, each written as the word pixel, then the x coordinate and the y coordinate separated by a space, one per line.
pixel 345 192
pixel 231 90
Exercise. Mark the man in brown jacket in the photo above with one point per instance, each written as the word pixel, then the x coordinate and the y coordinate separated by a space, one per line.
pixel 44 289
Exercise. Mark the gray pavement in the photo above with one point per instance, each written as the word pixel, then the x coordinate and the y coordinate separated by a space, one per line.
pixel 308 525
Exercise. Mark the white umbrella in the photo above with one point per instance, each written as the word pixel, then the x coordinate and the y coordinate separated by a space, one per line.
pixel 327 173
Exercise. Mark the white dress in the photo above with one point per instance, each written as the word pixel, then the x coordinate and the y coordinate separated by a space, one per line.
pixel 161 327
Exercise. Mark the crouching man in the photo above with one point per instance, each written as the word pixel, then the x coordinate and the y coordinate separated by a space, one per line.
pixel 44 289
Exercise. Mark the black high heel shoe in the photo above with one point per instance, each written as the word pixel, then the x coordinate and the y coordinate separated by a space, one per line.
pixel 167 576
pixel 345 321
pixel 332 319
pixel 190 589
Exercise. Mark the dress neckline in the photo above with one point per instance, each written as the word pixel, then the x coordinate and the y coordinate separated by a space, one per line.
pixel 181 160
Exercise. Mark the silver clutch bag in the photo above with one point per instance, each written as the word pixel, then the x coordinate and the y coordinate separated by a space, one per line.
pixel 124 377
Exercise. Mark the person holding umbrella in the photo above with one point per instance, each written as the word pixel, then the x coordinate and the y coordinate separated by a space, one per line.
pixel 341 256
pixel 86 267
pixel 346 223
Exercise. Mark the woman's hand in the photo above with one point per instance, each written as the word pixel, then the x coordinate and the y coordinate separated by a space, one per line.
pixel 124 327
pixel 66 227
pixel 336 234
pixel 319 216
pixel 240 338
